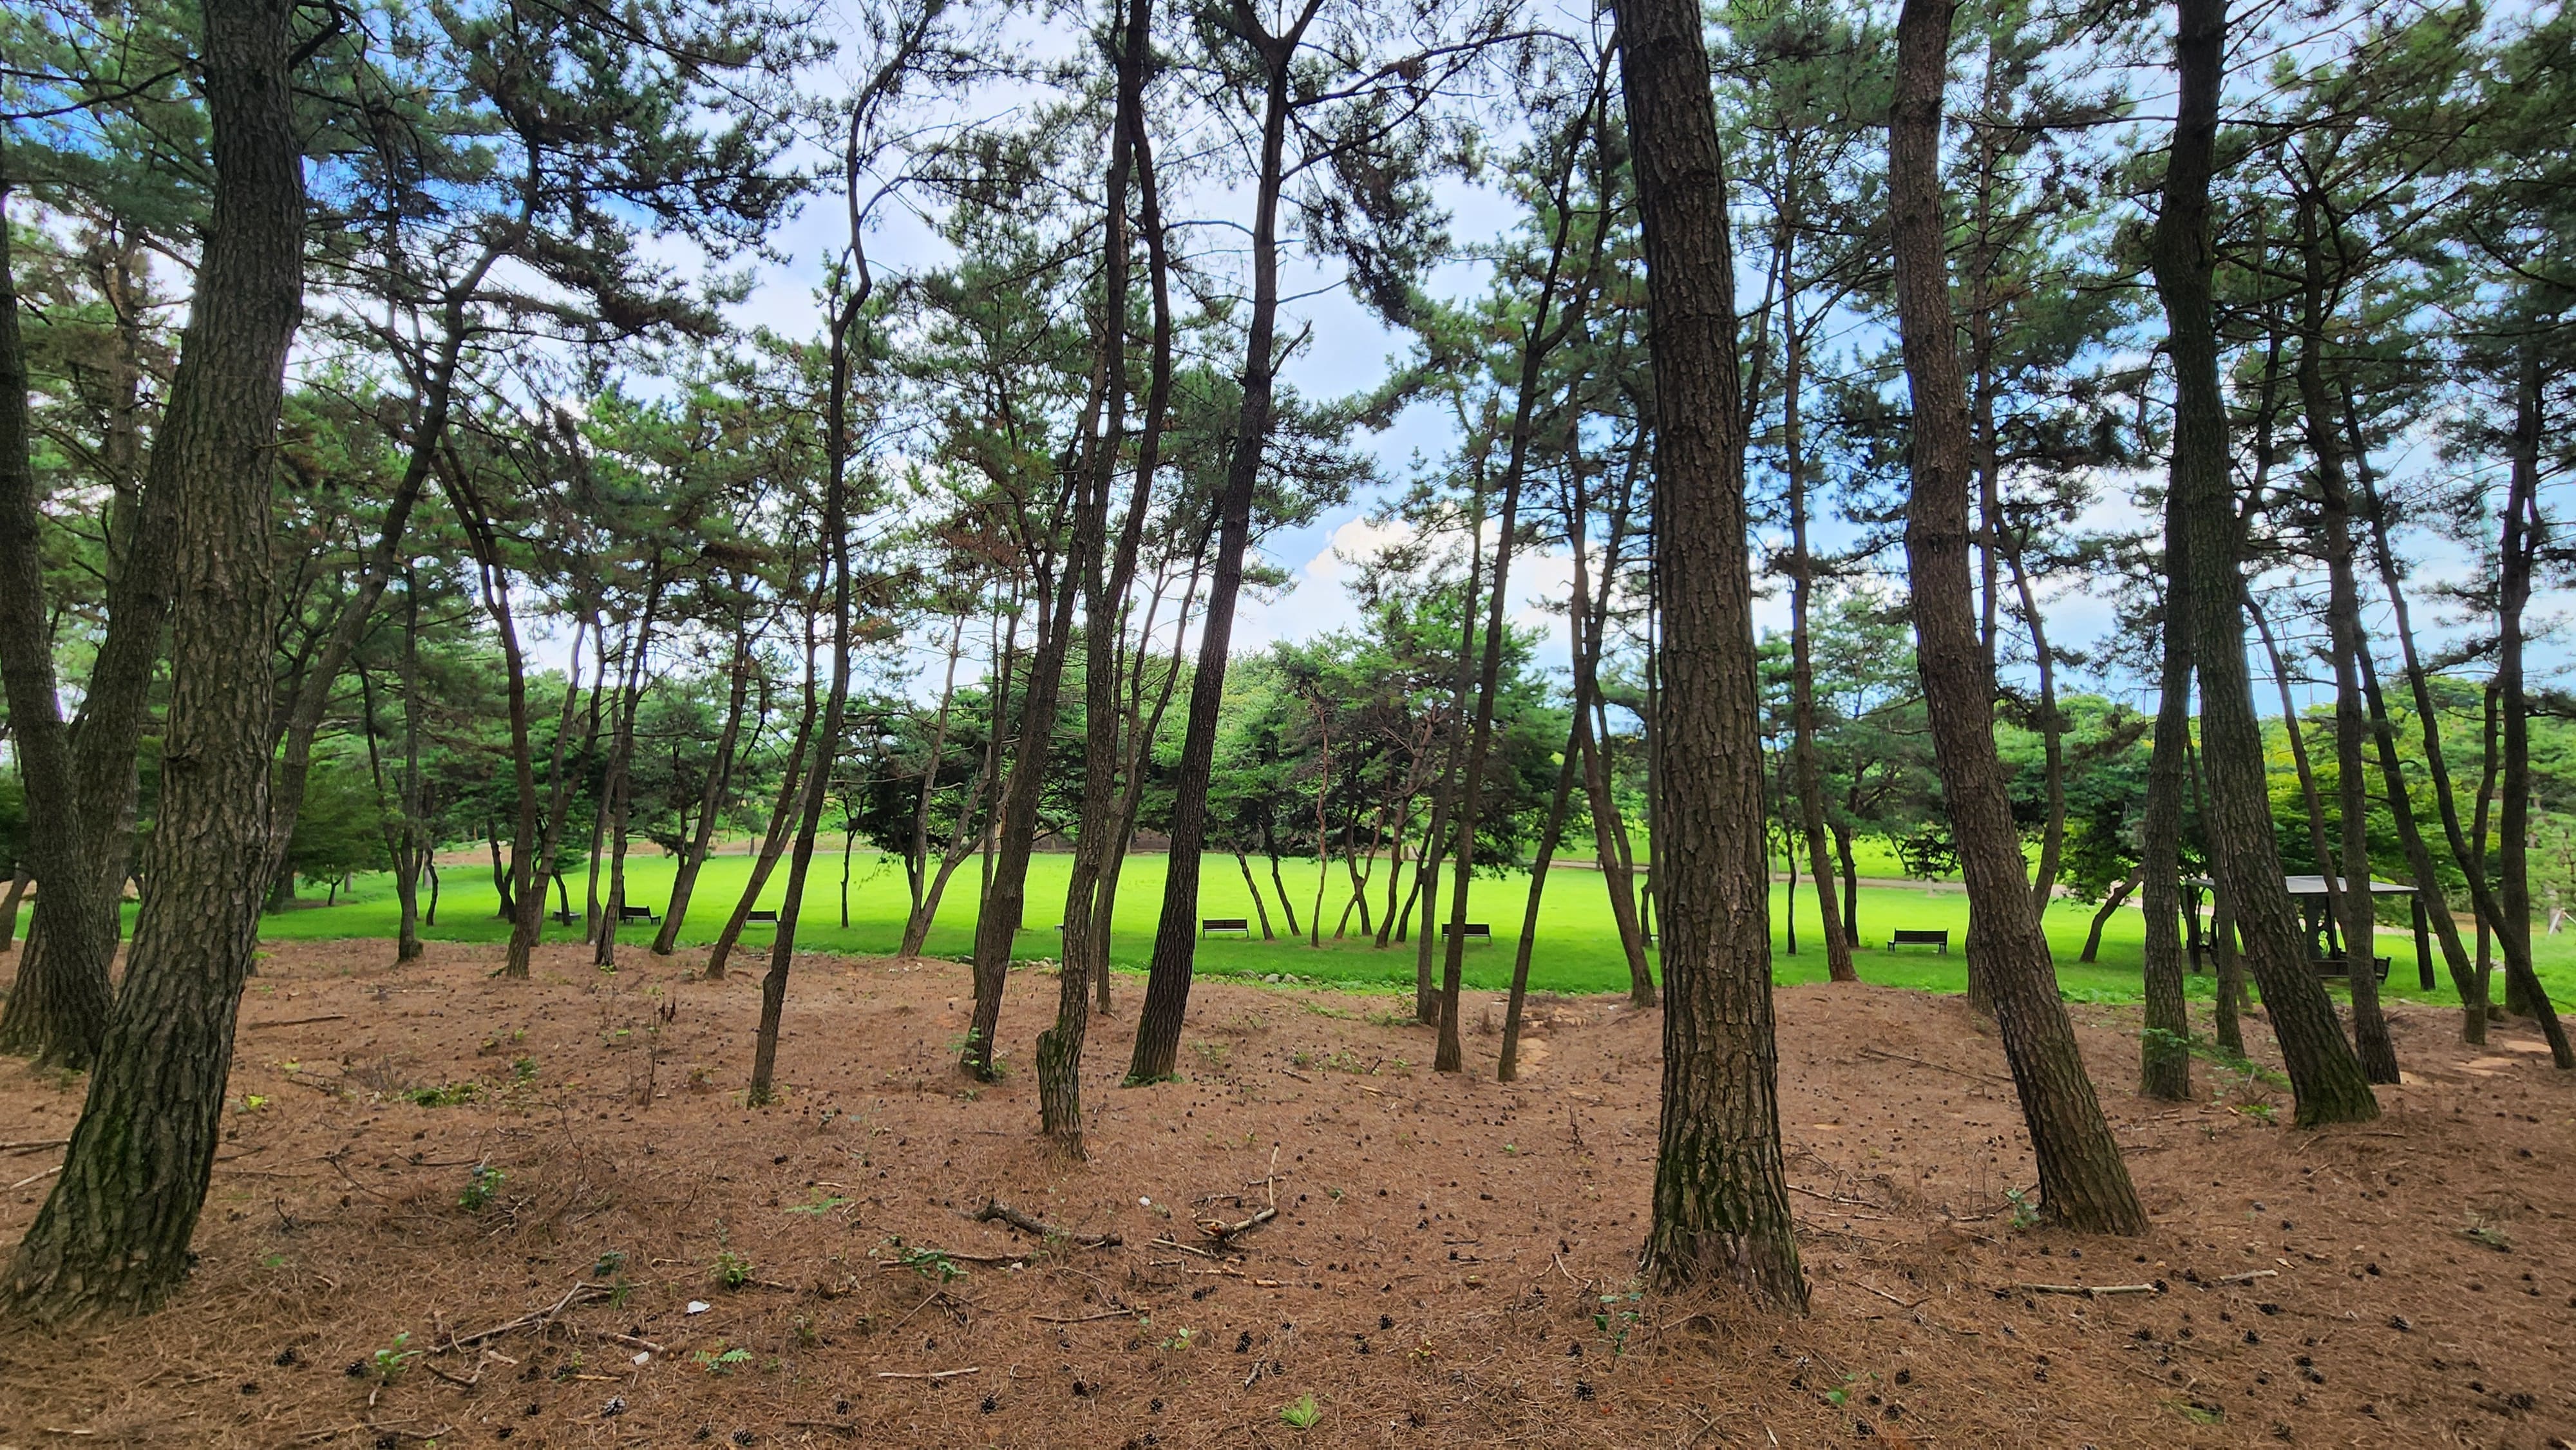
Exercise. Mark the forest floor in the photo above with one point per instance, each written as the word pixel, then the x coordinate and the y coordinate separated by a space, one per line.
pixel 455 1209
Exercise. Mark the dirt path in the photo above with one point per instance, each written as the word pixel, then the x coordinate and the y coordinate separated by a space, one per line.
pixel 1452 1262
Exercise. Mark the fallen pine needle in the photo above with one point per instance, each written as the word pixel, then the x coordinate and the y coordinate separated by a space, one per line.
pixel 936 1374
pixel 21 1183
pixel 2250 1275
pixel 2088 1291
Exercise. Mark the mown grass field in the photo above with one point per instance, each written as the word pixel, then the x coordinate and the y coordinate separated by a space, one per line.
pixel 1576 950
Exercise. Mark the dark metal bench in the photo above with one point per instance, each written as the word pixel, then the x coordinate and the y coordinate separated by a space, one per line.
pixel 565 917
pixel 636 913
pixel 760 913
pixel 1473 930
pixel 1238 924
pixel 2342 966
pixel 1940 939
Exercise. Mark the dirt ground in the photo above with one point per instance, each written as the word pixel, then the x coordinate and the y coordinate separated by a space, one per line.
pixel 458 1209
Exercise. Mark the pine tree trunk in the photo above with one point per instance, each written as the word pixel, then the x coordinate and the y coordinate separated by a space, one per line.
pixel 2526 533
pixel 2111 904
pixel 1167 984
pixel 59 1010
pixel 1059 1048
pixel 782 816
pixel 1721 1202
pixel 2343 620
pixel 113 1236
pixel 2324 1075
pixel 684 878
pixel 2469 982
pixel 2083 1183
pixel 1803 762
pixel 2164 1048
pixel 826 740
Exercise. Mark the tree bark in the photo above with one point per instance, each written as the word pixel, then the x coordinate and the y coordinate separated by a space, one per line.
pixel 2324 1075
pixel 113 1235
pixel 2083 1182
pixel 1721 1202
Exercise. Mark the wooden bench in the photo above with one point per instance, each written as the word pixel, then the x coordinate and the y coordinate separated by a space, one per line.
pixel 636 913
pixel 1474 930
pixel 1940 939
pixel 565 917
pixel 1240 925
pixel 2342 966
pixel 759 913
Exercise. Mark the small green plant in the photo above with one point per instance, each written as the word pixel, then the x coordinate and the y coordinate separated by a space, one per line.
pixel 732 1270
pixel 1840 1395
pixel 2025 1212
pixel 481 1187
pixel 523 1071
pixel 1181 1339
pixel 928 1263
pixel 250 1103
pixel 725 1362
pixel 446 1095
pixel 387 1364
pixel 1300 1415
pixel 609 1263
pixel 2260 1112
pixel 2480 1231
pixel 1617 1315
pixel 823 1203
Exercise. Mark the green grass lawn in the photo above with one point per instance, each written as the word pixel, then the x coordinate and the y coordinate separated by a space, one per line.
pixel 1577 948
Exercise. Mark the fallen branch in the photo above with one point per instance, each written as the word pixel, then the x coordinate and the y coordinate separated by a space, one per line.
pixel 540 1317
pixel 1169 1242
pixel 32 1177
pixel 996 1210
pixel 1224 1233
pixel 296 1021
pixel 2089 1291
pixel 631 1342
pixel 2249 1276
pixel 936 1374
pixel 1084 1318
pixel 34 1145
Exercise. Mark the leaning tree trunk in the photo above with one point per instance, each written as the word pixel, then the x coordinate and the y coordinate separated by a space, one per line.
pixel 684 879
pixel 2526 534
pixel 2343 620
pixel 2082 1182
pixel 1539 337
pixel 1167 981
pixel 2324 1075
pixel 60 1009
pixel 113 1235
pixel 826 741
pixel 1721 1199
pixel 2401 803
pixel 782 817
